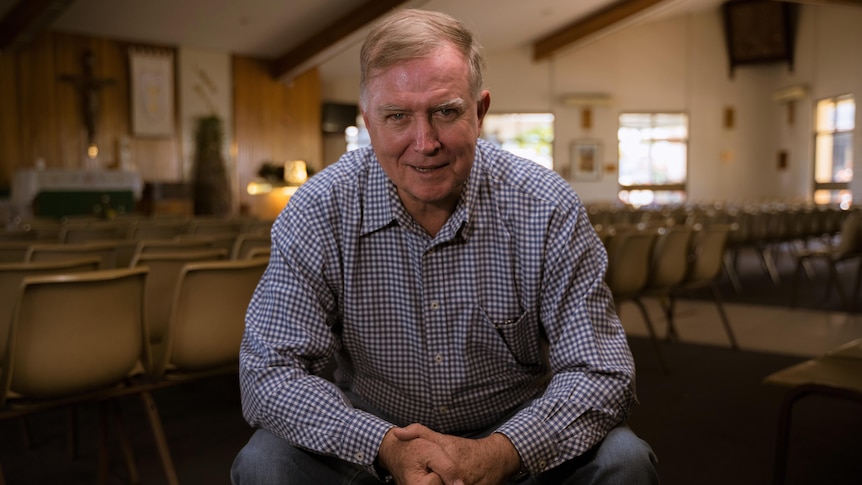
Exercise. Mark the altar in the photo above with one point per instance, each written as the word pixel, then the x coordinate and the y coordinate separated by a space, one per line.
pixel 61 192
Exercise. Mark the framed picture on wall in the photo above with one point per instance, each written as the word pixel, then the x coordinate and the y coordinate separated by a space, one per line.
pixel 152 90
pixel 586 159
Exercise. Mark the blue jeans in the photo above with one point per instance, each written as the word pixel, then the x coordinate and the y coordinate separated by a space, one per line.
pixel 621 458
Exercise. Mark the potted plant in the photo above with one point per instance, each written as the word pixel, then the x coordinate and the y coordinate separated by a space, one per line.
pixel 211 188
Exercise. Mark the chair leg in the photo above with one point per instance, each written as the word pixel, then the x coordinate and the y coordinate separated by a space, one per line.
pixel 72 439
pixel 671 333
pixel 159 435
pixel 836 276
pixel 104 453
pixel 769 264
pixel 729 267
pixel 656 344
pixel 716 295
pixel 25 433
pixel 125 444
pixel 794 292
pixel 856 286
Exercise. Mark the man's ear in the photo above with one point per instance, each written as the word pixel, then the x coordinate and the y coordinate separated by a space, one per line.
pixel 482 106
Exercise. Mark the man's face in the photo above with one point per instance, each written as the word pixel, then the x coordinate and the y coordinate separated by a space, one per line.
pixel 423 121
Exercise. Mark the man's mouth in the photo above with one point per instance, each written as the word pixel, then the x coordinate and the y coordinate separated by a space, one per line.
pixel 427 169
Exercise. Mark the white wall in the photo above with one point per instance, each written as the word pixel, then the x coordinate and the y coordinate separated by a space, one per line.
pixel 680 64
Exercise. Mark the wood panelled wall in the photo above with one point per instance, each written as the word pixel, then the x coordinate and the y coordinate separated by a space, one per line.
pixel 41 116
pixel 275 122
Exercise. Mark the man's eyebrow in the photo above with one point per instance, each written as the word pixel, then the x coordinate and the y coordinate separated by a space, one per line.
pixel 452 103
pixel 389 107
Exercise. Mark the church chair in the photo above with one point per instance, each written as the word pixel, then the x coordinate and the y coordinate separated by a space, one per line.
pixel 106 250
pixel 94 231
pixel 7 235
pixel 245 242
pixel 78 338
pixel 14 251
pixel 164 271
pixel 704 268
pixel 848 248
pixel 146 246
pixel 201 226
pixel 150 229
pixel 208 317
pixel 629 256
pixel 258 253
pixel 669 263
pixel 12 275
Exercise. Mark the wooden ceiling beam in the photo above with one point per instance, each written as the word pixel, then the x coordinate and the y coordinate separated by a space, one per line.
pixel 595 22
pixel 851 3
pixel 331 35
pixel 27 19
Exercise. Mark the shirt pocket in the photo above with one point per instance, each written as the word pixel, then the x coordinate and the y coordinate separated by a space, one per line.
pixel 521 336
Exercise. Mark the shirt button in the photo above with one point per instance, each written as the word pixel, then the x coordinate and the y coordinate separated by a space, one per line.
pixel 360 457
pixel 542 464
pixel 438 358
pixel 443 410
pixel 435 305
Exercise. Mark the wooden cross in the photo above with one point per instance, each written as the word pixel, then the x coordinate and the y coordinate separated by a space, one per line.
pixel 89 88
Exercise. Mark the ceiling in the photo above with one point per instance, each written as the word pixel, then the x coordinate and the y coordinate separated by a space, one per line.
pixel 281 30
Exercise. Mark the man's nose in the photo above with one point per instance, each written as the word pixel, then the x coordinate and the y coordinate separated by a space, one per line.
pixel 425 136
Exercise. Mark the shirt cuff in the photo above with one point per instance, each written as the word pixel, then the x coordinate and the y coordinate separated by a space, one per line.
pixel 533 440
pixel 360 440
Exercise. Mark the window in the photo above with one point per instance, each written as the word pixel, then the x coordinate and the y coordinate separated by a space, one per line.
pixel 530 135
pixel 833 150
pixel 653 158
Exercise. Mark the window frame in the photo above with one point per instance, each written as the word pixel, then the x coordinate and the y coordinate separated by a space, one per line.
pixel 831 186
pixel 681 187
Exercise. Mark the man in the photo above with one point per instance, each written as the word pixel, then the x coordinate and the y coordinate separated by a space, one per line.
pixel 461 290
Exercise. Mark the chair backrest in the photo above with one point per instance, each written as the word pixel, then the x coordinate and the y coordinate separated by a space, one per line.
pixel 106 250
pixel 97 231
pixel 629 262
pixel 208 226
pixel 246 242
pixel 169 246
pixel 158 229
pixel 164 271
pixel 222 240
pixel 258 253
pixel 208 315
pixel 849 236
pixel 12 274
pixel 707 255
pixel 14 251
pixel 73 333
pixel 669 262
pixel 17 235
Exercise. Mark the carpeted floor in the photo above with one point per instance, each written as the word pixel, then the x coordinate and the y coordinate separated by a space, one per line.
pixel 710 421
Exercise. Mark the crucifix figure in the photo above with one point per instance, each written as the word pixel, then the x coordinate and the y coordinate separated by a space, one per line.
pixel 89 88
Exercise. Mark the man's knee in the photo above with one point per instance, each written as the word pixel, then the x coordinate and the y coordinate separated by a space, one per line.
pixel 623 454
pixel 265 458
pixel 621 458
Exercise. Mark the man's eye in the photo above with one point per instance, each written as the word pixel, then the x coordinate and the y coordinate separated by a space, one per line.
pixel 396 116
pixel 446 112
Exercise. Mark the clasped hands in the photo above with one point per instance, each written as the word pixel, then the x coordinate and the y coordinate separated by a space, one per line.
pixel 416 455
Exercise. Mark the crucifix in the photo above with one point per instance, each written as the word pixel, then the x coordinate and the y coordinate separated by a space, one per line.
pixel 89 88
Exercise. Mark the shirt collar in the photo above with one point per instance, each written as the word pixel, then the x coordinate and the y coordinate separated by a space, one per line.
pixel 381 202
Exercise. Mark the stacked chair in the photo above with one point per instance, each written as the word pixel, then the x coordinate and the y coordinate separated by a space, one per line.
pixel 79 325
